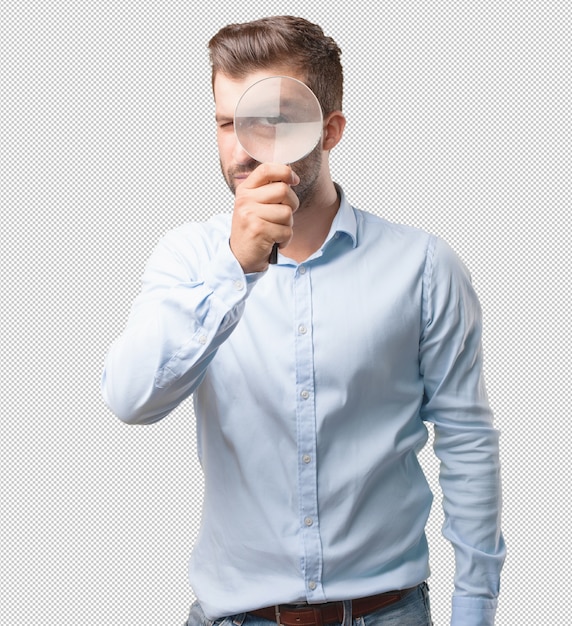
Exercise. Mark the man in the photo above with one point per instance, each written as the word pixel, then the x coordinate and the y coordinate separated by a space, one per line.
pixel 312 379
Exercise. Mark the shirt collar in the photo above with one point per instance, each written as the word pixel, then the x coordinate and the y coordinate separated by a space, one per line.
pixel 344 221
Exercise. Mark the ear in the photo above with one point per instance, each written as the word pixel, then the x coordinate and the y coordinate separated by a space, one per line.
pixel 334 125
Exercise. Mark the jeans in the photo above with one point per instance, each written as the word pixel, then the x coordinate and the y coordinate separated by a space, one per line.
pixel 411 610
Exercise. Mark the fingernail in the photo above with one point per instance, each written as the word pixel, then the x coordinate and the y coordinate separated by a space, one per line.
pixel 295 178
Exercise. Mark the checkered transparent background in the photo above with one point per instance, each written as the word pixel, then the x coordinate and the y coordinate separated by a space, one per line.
pixel 458 122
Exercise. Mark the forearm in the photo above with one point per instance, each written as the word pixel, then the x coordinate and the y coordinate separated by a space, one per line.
pixel 470 481
pixel 174 329
pixel 159 359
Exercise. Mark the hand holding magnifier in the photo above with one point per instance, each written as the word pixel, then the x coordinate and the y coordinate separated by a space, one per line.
pixel 278 120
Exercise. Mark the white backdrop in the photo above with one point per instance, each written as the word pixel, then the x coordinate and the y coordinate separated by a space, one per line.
pixel 458 122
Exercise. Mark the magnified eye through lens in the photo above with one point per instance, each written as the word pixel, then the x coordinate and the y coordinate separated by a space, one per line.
pixel 278 119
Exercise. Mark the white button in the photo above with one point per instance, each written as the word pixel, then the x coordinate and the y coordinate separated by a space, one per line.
pixel 202 339
pixel 312 585
pixel 308 521
pixel 302 329
pixel 306 458
pixel 238 285
pixel 305 394
pixel 302 269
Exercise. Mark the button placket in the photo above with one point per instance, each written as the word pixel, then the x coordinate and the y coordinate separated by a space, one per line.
pixel 306 433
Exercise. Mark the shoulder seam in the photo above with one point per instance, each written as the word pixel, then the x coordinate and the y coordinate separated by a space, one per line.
pixel 427 282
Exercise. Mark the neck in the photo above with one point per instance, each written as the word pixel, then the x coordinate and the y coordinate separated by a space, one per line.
pixel 312 222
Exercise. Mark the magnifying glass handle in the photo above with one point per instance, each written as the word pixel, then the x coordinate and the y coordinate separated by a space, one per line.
pixel 273 259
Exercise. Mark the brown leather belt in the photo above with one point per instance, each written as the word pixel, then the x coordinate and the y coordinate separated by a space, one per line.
pixel 320 614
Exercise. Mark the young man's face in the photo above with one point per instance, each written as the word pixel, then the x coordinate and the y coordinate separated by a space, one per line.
pixel 236 163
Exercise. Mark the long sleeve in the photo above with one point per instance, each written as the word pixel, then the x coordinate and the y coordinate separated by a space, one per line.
pixel 466 442
pixel 193 294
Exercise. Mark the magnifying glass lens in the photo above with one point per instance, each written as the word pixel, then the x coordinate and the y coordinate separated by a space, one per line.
pixel 278 120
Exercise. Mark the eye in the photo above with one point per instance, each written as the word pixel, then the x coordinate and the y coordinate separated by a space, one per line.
pixel 273 121
pixel 260 126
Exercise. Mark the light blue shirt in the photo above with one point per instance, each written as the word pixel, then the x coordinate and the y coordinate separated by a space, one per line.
pixel 311 384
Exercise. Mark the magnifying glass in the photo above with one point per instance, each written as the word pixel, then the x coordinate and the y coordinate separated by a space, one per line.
pixel 278 120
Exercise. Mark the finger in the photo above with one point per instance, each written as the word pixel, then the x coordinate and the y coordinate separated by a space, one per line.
pixel 270 194
pixel 267 173
pixel 278 214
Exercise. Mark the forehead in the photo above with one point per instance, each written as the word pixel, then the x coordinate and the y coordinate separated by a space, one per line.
pixel 228 91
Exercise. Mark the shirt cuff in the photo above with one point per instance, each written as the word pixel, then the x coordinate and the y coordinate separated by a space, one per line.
pixel 226 278
pixel 467 611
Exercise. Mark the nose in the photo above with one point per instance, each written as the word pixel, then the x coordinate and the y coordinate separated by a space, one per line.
pixel 239 155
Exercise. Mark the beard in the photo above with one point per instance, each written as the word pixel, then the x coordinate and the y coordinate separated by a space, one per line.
pixel 308 169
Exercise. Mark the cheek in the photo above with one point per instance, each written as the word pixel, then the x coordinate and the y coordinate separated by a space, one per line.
pixel 309 167
pixel 226 142
pixel 220 141
pixel 222 136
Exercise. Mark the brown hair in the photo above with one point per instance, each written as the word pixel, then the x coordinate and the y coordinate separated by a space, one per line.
pixel 238 49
